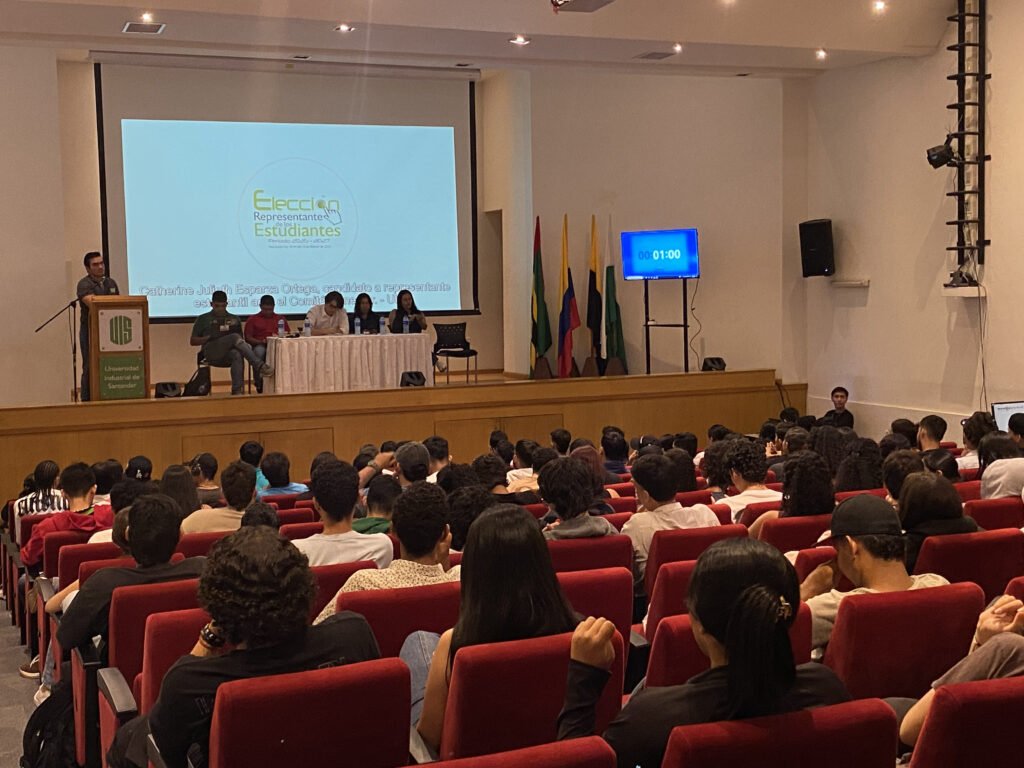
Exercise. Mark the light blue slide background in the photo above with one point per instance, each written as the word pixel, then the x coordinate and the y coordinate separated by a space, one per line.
pixel 185 196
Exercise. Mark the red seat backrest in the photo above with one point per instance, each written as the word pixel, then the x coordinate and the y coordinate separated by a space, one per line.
pixel 689 498
pixel 72 556
pixel 295 531
pixel 283 500
pixel 879 492
pixel 969 490
pixel 586 554
pixel 26 524
pixel 1016 588
pixel 769 477
pixel 331 578
pixel 304 504
pixel 88 568
pixel 702 483
pixel 195 544
pixel 304 705
pixel 606 592
pixel 877 641
pixel 669 596
pixel 809 559
pixel 619 519
pixel 537 510
pixel 991 514
pixel 530 676
pixel 676 657
pixel 296 515
pixel 52 545
pixel 968 723
pixel 723 512
pixel 623 489
pixel 754 511
pixel 949 445
pixel 856 734
pixel 167 637
pixel 969 474
pixel 396 613
pixel 988 558
pixel 792 533
pixel 588 752
pixel 623 504
pixel 684 544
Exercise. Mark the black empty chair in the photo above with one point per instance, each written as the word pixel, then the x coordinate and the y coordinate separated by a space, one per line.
pixel 451 342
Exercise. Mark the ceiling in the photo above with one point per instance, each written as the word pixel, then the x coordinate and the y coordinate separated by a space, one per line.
pixel 725 37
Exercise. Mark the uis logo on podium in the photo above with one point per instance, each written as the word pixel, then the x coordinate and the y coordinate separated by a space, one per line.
pixel 120 330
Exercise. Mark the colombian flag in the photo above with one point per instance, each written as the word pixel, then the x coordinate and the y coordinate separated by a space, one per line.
pixel 569 316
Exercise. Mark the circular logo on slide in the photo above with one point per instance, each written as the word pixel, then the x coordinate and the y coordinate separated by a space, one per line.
pixel 297 218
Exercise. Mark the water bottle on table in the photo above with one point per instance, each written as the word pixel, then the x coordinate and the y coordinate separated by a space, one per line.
pixel 405 324
pixel 280 328
pixel 383 326
pixel 307 329
pixel 358 326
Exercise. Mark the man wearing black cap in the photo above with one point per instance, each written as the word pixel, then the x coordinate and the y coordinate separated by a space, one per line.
pixel 870 552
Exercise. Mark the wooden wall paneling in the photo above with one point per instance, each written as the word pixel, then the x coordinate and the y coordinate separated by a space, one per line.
pixel 467 438
pixel 533 427
pixel 223 446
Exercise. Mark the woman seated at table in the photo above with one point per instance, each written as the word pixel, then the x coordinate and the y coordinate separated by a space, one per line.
pixel 369 321
pixel 406 308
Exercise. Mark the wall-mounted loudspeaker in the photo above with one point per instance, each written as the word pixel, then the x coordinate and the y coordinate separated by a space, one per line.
pixel 816 252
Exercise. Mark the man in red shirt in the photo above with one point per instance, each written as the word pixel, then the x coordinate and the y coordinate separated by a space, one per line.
pixel 258 327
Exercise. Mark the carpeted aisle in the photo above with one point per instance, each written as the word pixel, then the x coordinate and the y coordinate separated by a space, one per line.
pixel 15 694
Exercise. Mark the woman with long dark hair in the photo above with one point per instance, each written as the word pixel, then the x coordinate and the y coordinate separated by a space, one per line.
pixel 177 483
pixel 861 468
pixel 406 307
pixel 743 599
pixel 369 321
pixel 828 443
pixel 806 490
pixel 495 605
pixel 930 506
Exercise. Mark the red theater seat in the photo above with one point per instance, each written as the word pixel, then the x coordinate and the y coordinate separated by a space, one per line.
pixel 794 533
pixel 988 558
pixel 605 592
pixel 195 544
pixel 969 490
pixel 623 504
pixel 879 492
pixel 754 511
pixel 690 498
pixel 618 519
pixel 295 531
pixel 331 578
pixel 296 515
pixel 623 489
pixel 669 596
pixel 283 501
pixel 586 554
pixel 991 514
pixel 589 752
pixel 684 544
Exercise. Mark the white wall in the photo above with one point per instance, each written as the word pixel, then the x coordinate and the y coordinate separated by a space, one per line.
pixel 652 152
pixel 900 346
pixel 36 367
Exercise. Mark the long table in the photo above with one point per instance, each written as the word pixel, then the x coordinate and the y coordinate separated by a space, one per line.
pixel 345 363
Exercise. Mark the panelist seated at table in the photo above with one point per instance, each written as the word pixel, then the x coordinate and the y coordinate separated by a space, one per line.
pixel 330 317
pixel 406 308
pixel 219 333
pixel 369 321
pixel 258 328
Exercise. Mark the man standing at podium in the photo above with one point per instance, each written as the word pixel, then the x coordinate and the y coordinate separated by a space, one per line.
pixel 95 283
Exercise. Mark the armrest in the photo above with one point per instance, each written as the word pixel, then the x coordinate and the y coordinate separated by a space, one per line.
pixel 636 640
pixel 88 656
pixel 45 588
pixel 114 688
pixel 153 753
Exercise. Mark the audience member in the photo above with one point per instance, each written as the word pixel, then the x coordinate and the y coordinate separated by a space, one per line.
pixel 412 463
pixel 204 469
pixel 276 468
pixel 496 437
pixel 806 491
pixel 588 455
pixel 975 427
pixel 838 416
pixel 827 442
pixel 491 473
pixel 686 473
pixel 616 452
pixel 464 506
pixel 492 608
pixel 424 538
pixel 258 590
pixel 908 429
pixel 560 439
pixel 930 506
pixel 567 485
pixel 325 456
pixel 541 456
pixel 807 422
pixel 251 453
pixel 505 451
pixel 795 439
pixel 381 493
pixel 892 442
pixel 45 499
pixel 686 441
pixel 861 469
pixel 1001 465
pixel 177 483
pixel 895 469
pixel 1015 426
pixel 260 513
pixel 743 599
pixel 870 552
pixel 239 489
pixel 438 449
pixel 745 463
pixel 930 431
pixel 122 496
pixel 713 466
pixel 335 489
pixel 942 462
pixel 456 476
pixel 522 461
pixel 139 468
pixel 580 442
pixel 789 414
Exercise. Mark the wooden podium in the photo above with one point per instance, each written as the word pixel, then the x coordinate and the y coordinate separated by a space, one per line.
pixel 119 348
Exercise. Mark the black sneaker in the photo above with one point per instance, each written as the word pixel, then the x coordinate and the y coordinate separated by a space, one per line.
pixel 30 670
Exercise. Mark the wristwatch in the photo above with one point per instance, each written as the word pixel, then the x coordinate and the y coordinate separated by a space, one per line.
pixel 373 464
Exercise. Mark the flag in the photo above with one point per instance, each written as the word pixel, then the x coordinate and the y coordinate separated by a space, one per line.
pixel 594 293
pixel 615 345
pixel 568 316
pixel 540 338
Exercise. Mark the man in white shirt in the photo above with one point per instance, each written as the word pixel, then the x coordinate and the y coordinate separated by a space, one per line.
pixel 522 461
pixel 747 467
pixel 329 317
pixel 437 447
pixel 335 487
pixel 654 478
pixel 412 463
pixel 975 427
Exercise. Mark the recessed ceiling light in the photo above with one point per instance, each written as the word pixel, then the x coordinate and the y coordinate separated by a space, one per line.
pixel 821 54
pixel 879 6
pixel 344 28
pixel 678 47
pixel 519 40
pixel 147 17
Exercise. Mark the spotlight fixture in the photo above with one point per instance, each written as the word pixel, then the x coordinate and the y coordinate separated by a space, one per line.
pixel 942 155
pixel 678 47
pixel 519 40
pixel 821 54
pixel 147 17
pixel 343 28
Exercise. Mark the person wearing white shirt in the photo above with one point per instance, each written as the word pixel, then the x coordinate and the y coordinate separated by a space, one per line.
pixel 654 478
pixel 330 317
pixel 747 467
pixel 975 427
pixel 335 489
pixel 437 447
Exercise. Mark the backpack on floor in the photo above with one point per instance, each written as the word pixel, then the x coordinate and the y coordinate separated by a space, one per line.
pixel 199 384
pixel 49 740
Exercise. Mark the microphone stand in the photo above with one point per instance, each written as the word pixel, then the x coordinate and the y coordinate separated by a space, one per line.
pixel 74 343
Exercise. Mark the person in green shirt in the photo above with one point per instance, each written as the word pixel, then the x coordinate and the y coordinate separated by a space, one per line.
pixel 380 501
pixel 219 333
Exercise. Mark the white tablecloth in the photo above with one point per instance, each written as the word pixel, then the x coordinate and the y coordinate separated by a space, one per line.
pixel 342 363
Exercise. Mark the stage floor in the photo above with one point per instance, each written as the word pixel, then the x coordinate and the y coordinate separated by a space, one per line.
pixel 173 430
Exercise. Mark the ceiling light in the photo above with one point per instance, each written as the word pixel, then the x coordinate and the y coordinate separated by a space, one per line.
pixel 878 6
pixel 678 47
pixel 519 40
pixel 344 28
pixel 821 54
pixel 147 17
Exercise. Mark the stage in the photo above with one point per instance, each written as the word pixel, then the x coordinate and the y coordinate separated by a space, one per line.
pixel 174 430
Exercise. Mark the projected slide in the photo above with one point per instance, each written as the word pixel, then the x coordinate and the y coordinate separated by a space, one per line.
pixel 293 210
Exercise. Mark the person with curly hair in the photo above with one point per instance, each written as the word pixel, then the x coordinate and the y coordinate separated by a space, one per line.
pixel 567 485
pixel 861 469
pixel 975 427
pixel 806 490
pixel 747 467
pixel 258 589
pixel 712 465
pixel 827 442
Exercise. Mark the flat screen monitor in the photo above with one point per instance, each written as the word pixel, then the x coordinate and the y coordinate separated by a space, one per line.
pixel 663 254
pixel 1002 412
